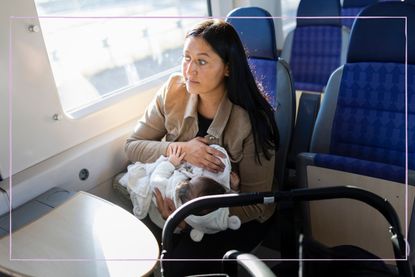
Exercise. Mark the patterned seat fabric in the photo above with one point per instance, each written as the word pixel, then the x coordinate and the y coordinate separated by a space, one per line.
pixel 265 72
pixel 366 129
pixel 374 119
pixel 369 122
pixel 316 48
pixel 270 72
pixel 315 55
pixel 261 51
pixel 362 167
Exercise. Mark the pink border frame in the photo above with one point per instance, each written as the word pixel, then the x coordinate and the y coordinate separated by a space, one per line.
pixel 10 69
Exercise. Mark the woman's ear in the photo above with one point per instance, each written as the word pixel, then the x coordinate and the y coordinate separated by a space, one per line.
pixel 227 70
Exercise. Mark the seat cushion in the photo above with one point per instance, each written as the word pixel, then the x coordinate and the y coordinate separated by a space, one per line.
pixel 361 167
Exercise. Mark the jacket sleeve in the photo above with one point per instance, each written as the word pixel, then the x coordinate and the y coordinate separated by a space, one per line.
pixel 254 177
pixel 145 144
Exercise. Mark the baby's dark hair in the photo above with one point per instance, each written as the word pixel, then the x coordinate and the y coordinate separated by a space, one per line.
pixel 199 186
pixel 210 186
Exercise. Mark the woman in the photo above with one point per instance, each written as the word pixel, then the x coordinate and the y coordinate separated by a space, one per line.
pixel 215 100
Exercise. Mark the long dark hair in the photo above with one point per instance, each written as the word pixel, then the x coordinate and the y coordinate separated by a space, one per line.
pixel 240 84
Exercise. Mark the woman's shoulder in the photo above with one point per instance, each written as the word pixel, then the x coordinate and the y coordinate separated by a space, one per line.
pixel 238 131
pixel 176 79
pixel 174 94
pixel 239 120
pixel 175 84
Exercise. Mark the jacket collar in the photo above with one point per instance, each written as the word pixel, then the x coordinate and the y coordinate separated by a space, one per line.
pixel 221 117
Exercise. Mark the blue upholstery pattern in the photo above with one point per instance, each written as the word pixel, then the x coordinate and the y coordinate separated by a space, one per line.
pixel 366 125
pixel 265 72
pixel 361 167
pixel 264 46
pixel 261 51
pixel 255 27
pixel 315 55
pixel 369 122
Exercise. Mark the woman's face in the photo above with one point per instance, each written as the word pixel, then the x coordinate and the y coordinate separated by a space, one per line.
pixel 203 69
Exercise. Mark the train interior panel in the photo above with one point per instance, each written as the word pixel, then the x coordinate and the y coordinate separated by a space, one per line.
pixel 84 107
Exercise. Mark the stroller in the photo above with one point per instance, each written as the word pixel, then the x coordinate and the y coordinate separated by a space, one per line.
pixel 337 260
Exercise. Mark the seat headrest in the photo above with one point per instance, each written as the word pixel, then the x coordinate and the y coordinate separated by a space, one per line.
pixel 319 8
pixel 256 34
pixel 357 3
pixel 383 39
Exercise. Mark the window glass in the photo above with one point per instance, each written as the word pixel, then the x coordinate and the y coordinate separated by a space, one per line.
pixel 289 12
pixel 101 48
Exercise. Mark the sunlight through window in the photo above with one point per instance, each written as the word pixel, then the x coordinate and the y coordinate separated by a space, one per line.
pixel 101 48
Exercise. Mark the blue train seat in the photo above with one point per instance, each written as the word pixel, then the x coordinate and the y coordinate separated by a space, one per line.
pixel 314 49
pixel 352 8
pixel 271 72
pixel 317 46
pixel 365 132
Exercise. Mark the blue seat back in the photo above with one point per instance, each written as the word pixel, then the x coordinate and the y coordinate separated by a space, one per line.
pixel 376 98
pixel 315 55
pixel 365 131
pixel 258 38
pixel 352 8
pixel 270 72
pixel 317 44
pixel 315 48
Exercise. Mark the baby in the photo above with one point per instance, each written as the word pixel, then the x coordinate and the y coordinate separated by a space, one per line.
pixel 181 182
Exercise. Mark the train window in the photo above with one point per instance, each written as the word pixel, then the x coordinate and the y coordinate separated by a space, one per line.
pixel 101 48
pixel 289 12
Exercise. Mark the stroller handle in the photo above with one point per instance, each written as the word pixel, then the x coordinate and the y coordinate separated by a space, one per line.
pixel 295 195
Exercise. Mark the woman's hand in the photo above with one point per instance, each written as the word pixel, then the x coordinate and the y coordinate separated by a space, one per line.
pixel 166 206
pixel 200 154
pixel 235 180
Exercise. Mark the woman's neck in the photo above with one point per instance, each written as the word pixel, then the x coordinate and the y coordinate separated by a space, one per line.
pixel 208 104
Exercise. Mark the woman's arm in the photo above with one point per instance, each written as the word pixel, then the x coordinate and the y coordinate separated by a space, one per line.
pixel 254 177
pixel 145 143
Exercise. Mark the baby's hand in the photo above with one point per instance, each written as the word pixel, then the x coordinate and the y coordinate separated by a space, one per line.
pixel 234 181
pixel 176 156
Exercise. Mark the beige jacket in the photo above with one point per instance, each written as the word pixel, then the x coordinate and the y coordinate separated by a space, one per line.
pixel 173 115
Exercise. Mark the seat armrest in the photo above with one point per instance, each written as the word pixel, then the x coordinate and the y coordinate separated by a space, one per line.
pixel 302 161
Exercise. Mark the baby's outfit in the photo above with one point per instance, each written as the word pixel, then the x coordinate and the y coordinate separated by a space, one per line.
pixel 141 179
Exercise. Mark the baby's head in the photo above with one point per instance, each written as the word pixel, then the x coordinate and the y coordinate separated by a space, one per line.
pixel 199 186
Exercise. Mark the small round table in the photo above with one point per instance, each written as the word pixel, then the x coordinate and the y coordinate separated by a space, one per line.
pixel 85 236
